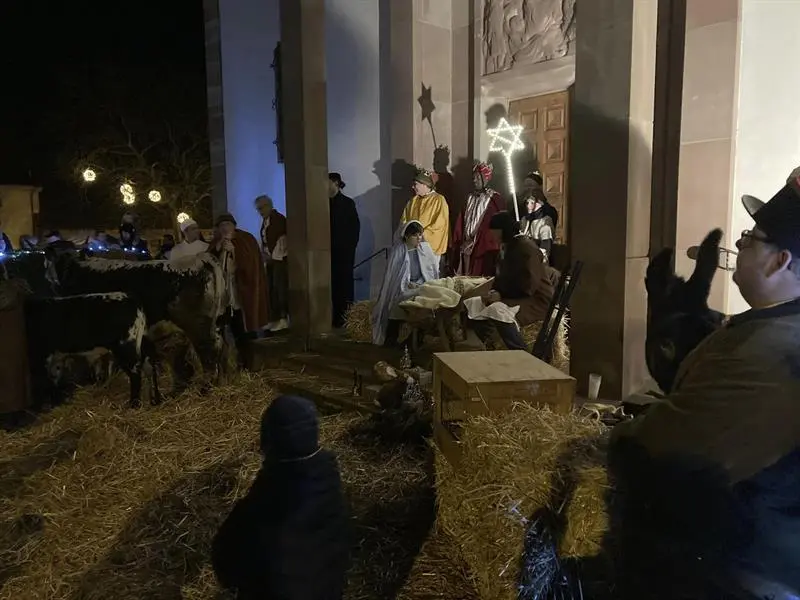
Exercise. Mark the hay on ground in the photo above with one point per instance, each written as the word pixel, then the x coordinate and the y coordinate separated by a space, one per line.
pixel 514 465
pixel 99 501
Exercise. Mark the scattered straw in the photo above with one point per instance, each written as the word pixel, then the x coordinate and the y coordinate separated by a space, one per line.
pixel 514 465
pixel 99 501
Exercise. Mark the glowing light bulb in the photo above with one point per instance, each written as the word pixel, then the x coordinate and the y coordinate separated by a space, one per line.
pixel 505 138
pixel 182 217
pixel 89 175
pixel 128 193
pixel 154 196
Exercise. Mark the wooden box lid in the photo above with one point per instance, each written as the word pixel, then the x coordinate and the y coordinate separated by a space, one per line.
pixel 507 366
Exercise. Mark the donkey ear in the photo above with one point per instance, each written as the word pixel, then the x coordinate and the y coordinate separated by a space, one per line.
pixel 659 273
pixel 699 284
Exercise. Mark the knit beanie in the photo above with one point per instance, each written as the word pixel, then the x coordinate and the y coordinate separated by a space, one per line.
pixel 290 429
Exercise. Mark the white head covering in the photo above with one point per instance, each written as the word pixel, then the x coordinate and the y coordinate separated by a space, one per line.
pixel 186 224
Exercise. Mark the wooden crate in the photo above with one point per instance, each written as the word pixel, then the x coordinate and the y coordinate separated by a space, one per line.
pixel 485 383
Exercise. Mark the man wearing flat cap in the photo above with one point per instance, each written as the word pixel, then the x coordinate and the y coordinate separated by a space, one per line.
pixel 345 231
pixel 711 475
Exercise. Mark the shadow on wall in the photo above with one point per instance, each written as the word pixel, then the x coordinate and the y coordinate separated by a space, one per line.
pixel 366 204
pixel 350 73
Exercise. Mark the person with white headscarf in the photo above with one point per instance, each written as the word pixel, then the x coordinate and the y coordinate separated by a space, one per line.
pixel 412 262
pixel 193 242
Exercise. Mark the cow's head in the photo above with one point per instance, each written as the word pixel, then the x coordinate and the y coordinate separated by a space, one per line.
pixel 57 368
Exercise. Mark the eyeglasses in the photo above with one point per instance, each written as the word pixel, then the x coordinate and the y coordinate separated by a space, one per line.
pixel 748 236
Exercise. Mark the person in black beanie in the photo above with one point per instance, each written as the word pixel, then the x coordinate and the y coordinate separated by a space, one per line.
pixel 288 538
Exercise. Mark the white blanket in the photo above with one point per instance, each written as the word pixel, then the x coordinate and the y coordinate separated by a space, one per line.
pixel 443 293
pixel 496 311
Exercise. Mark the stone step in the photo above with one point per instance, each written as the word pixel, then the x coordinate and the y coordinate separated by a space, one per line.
pixel 336 345
pixel 328 396
pixel 325 366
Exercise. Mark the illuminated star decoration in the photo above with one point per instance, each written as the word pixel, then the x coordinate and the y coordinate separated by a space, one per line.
pixel 89 175
pixel 505 139
pixel 154 196
pixel 182 217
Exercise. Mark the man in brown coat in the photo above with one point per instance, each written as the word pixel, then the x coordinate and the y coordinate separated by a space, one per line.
pixel 522 280
pixel 240 256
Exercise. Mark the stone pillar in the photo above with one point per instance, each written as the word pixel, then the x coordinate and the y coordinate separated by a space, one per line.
pixel 707 132
pixel 216 121
pixel 306 164
pixel 612 124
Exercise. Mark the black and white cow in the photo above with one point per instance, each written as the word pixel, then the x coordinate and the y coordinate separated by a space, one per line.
pixel 72 324
pixel 190 292
pixel 679 316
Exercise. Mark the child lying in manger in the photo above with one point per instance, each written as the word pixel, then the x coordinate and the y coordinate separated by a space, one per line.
pixel 288 538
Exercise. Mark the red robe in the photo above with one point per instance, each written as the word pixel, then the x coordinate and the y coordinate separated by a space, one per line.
pixel 483 259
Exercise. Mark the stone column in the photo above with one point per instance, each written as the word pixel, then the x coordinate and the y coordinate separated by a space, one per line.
pixel 216 121
pixel 306 164
pixel 707 132
pixel 612 125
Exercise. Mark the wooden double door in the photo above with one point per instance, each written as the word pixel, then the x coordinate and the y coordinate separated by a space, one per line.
pixel 546 133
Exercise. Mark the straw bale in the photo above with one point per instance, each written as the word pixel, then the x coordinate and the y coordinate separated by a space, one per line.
pixel 513 465
pixel 358 321
pixel 127 501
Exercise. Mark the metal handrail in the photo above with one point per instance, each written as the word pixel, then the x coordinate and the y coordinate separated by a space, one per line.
pixel 374 255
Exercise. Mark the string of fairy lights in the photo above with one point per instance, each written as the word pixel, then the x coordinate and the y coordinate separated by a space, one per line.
pixel 127 190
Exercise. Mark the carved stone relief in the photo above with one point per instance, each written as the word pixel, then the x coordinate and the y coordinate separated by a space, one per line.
pixel 525 32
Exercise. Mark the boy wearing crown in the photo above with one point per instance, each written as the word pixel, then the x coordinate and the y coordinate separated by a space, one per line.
pixel 473 250
pixel 430 209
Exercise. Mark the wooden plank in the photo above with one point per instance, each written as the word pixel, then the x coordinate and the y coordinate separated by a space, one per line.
pixel 484 383
pixel 498 365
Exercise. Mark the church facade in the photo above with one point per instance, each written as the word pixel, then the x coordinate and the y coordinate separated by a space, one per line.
pixel 634 111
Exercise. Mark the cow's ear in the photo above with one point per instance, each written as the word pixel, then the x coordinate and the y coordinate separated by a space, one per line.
pixel 704 269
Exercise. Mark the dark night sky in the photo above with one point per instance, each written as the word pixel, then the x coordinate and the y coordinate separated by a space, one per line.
pixel 45 42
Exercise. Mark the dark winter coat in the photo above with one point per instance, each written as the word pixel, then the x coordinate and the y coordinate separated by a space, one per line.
pixel 713 469
pixel 288 538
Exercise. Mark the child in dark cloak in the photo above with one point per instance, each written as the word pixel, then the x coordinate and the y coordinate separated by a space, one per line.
pixel 288 538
